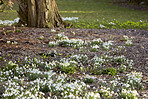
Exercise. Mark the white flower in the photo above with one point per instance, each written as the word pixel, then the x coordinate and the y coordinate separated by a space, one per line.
pixel 129 93
pixel 8 42
pixel 128 42
pixel 112 23
pixel 53 30
pixel 16 20
pixel 8 22
pixel 16 77
pixel 97 40
pixel 107 45
pixel 125 37
pixel 126 85
pixel 95 47
pixel 53 43
pixel 70 18
pixel 90 77
pixel 102 26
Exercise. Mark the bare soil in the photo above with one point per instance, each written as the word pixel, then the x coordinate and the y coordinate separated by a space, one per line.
pixel 29 44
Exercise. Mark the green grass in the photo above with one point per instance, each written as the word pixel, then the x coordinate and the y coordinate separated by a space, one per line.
pixel 88 11
pixel 8 15
pixel 99 9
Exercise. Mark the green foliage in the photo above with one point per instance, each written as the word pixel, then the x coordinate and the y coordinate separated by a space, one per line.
pixel 128 94
pixel 96 72
pixel 10 66
pixel 69 69
pixel 89 80
pixel 1 58
pixel 41 37
pixel 9 31
pixel 113 24
pixel 109 71
pixel 18 30
pixel 93 49
pixel 44 88
pixel 33 76
pixel 122 68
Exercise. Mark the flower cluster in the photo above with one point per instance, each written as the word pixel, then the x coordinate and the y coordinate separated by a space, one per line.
pixel 119 87
pixel 92 95
pixel 98 61
pixel 102 26
pixel 17 87
pixel 61 36
pixel 95 44
pixel 76 76
pixel 106 92
pixel 80 58
pixel 132 94
pixel 8 22
pixel 106 45
pixel 70 18
pixel 128 40
pixel 134 79
pixel 63 40
pixel 89 79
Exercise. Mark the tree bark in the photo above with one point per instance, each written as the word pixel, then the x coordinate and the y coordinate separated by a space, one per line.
pixel 39 13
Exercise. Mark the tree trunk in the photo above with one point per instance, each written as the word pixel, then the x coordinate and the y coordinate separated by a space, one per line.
pixel 39 13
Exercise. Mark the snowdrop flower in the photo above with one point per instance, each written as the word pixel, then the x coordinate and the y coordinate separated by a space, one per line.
pixel 125 37
pixel 95 47
pixel 53 43
pixel 101 80
pixel 126 85
pixel 16 20
pixel 8 22
pixel 53 30
pixel 97 40
pixel 70 18
pixel 14 43
pixel 129 93
pixel 90 77
pixel 107 45
pixel 112 23
pixel 61 36
pixel 65 63
pixel 91 94
pixel 102 26
pixel 106 91
pixel 16 78
pixel 8 42
pixel 128 42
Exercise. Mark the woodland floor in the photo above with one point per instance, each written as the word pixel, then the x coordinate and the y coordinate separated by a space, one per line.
pixel 30 45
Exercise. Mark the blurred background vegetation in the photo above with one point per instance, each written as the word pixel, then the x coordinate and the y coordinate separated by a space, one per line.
pixel 92 11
